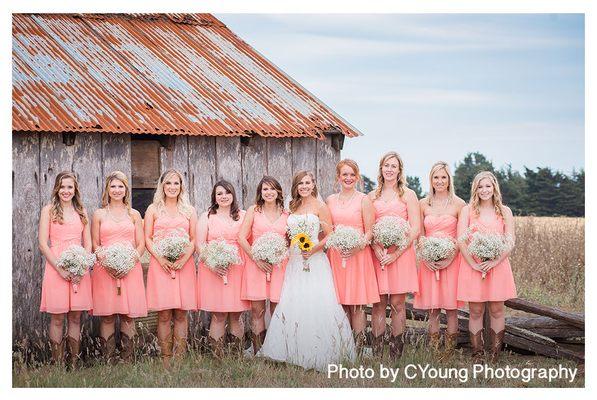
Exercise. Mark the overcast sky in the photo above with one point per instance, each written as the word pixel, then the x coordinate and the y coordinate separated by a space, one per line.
pixel 437 86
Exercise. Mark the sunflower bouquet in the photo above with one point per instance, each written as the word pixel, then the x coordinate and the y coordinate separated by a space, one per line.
pixel 298 235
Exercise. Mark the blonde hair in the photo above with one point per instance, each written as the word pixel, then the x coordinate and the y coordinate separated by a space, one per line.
pixel 56 211
pixel 400 181
pixel 434 169
pixel 182 201
pixel 497 194
pixel 352 164
pixel 297 200
pixel 118 175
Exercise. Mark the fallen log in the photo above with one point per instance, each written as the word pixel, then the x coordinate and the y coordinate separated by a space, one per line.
pixel 547 326
pixel 577 320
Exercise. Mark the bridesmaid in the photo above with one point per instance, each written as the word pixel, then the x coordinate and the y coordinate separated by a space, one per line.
pixel 439 212
pixel 356 285
pixel 117 222
pixel 485 213
pixel 399 276
pixel 64 222
pixel 171 295
pixel 266 215
pixel 222 221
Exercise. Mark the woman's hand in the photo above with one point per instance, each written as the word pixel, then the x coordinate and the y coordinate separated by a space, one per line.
pixel 485 266
pixel 67 276
pixel 165 264
pixel 221 271
pixel 265 267
pixel 390 258
pixel 305 254
pixel 437 265
pixel 76 279
pixel 349 253
pixel 379 252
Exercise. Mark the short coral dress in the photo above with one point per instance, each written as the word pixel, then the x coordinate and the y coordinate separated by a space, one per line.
pixel 57 294
pixel 400 276
pixel 163 292
pixel 433 293
pixel 356 284
pixel 212 294
pixel 255 286
pixel 498 284
pixel 106 300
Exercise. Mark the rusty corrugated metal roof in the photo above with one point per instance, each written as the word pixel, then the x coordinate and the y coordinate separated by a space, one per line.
pixel 154 73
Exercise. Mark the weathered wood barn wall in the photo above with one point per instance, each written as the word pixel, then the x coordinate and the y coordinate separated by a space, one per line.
pixel 221 111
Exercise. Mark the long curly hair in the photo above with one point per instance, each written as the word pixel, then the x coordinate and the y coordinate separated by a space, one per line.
pixel 400 181
pixel 497 194
pixel 118 175
pixel 234 209
pixel 56 210
pixel 434 169
pixel 297 200
pixel 271 181
pixel 182 201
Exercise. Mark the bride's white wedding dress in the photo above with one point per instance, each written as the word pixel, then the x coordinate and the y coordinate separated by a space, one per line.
pixel 308 328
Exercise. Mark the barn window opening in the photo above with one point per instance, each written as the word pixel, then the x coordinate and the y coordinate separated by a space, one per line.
pixel 145 170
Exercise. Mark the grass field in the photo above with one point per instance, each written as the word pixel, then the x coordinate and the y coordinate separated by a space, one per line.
pixel 548 263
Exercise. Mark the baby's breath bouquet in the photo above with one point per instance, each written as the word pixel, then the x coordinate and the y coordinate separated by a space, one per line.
pixel 345 238
pixel 119 258
pixel 271 248
pixel 219 254
pixel 299 235
pixel 433 249
pixel 172 246
pixel 75 260
pixel 391 231
pixel 488 246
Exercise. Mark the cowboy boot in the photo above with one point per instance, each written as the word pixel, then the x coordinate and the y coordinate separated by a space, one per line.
pixel 235 345
pixel 73 345
pixel 435 343
pixel 217 347
pixel 450 341
pixel 57 349
pixel 477 346
pixel 360 340
pixel 108 348
pixel 497 341
pixel 377 343
pixel 179 346
pixel 128 347
pixel 396 344
pixel 258 340
pixel 166 350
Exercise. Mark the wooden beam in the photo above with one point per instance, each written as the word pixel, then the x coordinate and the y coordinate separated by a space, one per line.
pixel 577 320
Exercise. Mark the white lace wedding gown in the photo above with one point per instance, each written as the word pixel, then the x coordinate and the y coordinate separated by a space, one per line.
pixel 308 328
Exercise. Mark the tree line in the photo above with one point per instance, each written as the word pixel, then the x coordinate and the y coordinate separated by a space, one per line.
pixel 540 192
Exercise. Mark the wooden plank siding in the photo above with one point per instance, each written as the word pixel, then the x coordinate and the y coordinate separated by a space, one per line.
pixel 279 162
pixel 228 160
pixel 254 166
pixel 327 158
pixel 202 170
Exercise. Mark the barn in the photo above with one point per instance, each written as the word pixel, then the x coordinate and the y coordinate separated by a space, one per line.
pixel 142 93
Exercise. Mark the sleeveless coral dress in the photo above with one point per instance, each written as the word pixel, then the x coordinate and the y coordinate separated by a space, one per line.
pixel 106 300
pixel 401 275
pixel 254 283
pixel 355 284
pixel 498 284
pixel 212 294
pixel 163 292
pixel 433 293
pixel 57 294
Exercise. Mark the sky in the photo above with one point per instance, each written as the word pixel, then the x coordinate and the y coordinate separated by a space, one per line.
pixel 437 86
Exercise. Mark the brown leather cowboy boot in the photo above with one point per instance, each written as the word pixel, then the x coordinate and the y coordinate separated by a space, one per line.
pixel 258 340
pixel 217 347
pixel 235 345
pixel 73 345
pixel 396 345
pixel 166 350
pixel 179 346
pixel 477 346
pixel 435 343
pixel 57 349
pixel 377 344
pixel 128 347
pixel 360 340
pixel 497 341
pixel 108 349
pixel 450 341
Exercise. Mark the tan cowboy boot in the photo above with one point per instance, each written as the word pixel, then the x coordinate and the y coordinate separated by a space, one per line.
pixel 396 346
pixel 108 349
pixel 57 352
pixel 166 350
pixel 435 343
pixel 377 344
pixel 477 346
pixel 258 340
pixel 128 347
pixel 179 346
pixel 497 341
pixel 235 345
pixel 450 341
pixel 360 340
pixel 73 345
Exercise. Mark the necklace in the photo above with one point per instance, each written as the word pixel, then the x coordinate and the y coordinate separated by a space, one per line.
pixel 344 204
pixel 113 217
pixel 390 199
pixel 445 202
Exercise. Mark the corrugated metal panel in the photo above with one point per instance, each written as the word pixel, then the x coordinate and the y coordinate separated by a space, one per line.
pixel 154 73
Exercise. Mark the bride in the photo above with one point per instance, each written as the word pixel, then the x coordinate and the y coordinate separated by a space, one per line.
pixel 308 328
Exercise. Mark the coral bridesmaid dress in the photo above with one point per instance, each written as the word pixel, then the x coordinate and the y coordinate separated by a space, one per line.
pixel 401 275
pixel 106 300
pixel 57 294
pixel 254 283
pixel 498 284
pixel 163 292
pixel 212 294
pixel 355 284
pixel 433 293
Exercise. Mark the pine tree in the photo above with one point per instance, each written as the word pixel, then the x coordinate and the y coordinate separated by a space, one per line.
pixel 465 171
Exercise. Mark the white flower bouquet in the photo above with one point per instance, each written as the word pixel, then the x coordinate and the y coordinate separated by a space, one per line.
pixel 271 248
pixel 488 246
pixel 172 246
pixel 345 238
pixel 76 260
pixel 219 254
pixel 433 249
pixel 391 231
pixel 119 258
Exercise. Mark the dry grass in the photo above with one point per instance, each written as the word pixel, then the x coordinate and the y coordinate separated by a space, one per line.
pixel 549 261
